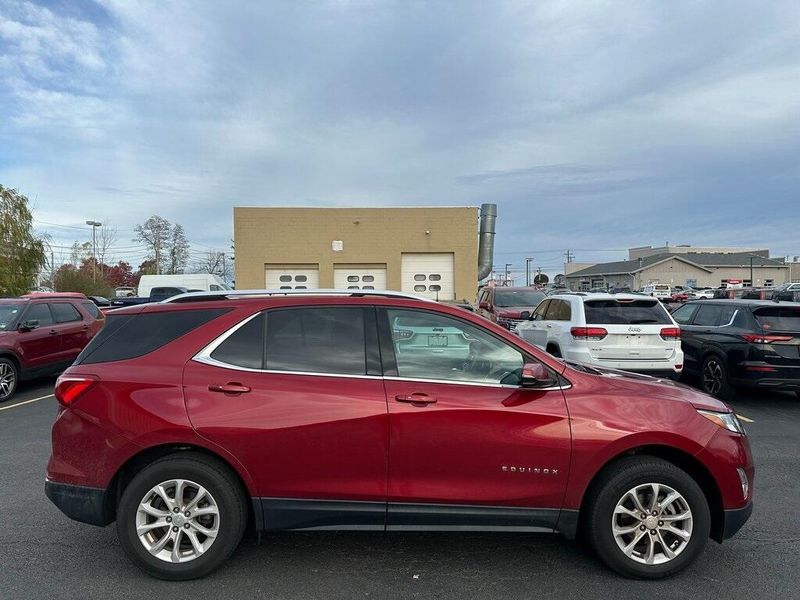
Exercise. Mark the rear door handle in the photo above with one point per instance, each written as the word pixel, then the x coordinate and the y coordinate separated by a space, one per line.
pixel 229 388
pixel 53 332
pixel 417 399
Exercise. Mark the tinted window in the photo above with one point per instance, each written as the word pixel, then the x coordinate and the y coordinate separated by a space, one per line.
pixel 559 310
pixel 518 297
pixel 708 315
pixel 39 312
pixel 541 310
pixel 778 318
pixel 684 314
pixel 433 346
pixel 316 340
pixel 129 336
pixel 92 309
pixel 8 315
pixel 625 312
pixel 245 346
pixel 64 312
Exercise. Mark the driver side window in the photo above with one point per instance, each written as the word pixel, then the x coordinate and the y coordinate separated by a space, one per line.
pixel 434 346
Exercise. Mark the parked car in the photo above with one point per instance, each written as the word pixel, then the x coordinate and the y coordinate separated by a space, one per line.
pixel 741 343
pixel 205 282
pixel 41 334
pixel 787 292
pixel 183 420
pixel 157 294
pixel 100 301
pixel 678 296
pixel 657 290
pixel 700 293
pixel 508 306
pixel 618 331
pixel 124 292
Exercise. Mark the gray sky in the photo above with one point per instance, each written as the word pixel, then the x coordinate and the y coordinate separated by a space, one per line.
pixel 594 126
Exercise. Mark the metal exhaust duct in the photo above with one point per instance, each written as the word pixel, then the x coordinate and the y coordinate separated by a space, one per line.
pixel 486 240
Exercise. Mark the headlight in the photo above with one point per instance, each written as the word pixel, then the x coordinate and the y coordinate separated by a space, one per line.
pixel 727 421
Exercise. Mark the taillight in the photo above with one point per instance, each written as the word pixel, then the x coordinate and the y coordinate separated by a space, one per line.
pixel 71 387
pixel 670 333
pixel 588 333
pixel 765 339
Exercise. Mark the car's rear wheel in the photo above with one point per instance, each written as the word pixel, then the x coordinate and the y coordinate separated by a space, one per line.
pixel 554 350
pixel 181 517
pixel 647 518
pixel 9 377
pixel 714 378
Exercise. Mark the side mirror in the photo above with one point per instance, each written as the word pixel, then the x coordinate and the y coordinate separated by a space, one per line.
pixel 29 325
pixel 525 314
pixel 536 375
pixel 485 306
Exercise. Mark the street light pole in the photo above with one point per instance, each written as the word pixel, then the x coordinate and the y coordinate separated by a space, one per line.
pixel 751 272
pixel 528 262
pixel 506 277
pixel 94 225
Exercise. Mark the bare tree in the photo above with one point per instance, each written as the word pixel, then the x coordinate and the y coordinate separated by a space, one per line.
pixel 178 248
pixel 155 233
pixel 106 238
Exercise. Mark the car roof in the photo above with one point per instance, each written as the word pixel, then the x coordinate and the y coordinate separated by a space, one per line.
pixel 743 302
pixel 602 296
pixel 54 295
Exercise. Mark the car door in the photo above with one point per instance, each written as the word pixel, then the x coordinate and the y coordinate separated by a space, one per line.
pixel 468 447
pixel 72 328
pixel 557 320
pixel 40 346
pixel 296 395
pixel 690 343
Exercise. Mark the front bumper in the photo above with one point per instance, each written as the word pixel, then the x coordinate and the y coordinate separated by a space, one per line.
pixel 80 503
pixel 735 518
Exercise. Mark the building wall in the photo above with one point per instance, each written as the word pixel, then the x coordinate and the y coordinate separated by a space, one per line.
pixel 795 271
pixel 369 236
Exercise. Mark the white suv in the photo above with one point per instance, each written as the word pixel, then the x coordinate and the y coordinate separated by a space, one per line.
pixel 617 331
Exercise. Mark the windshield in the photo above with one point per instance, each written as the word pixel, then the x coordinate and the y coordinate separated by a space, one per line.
pixel 518 298
pixel 8 314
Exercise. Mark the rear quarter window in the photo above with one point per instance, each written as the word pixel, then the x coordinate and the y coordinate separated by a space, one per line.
pixel 616 312
pixel 130 336
pixel 91 308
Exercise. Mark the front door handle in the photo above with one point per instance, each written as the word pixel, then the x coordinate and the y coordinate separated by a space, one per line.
pixel 417 399
pixel 53 332
pixel 233 389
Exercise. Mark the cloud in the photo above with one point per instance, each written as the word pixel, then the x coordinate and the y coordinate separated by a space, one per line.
pixel 594 126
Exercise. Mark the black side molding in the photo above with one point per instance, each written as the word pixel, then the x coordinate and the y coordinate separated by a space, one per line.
pixel 734 519
pixel 290 513
pixel 456 517
pixel 84 504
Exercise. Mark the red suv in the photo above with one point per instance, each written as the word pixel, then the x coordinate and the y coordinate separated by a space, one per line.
pixel 184 421
pixel 41 334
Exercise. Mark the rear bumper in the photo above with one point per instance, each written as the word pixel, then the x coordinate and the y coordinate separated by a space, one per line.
pixel 735 518
pixel 657 368
pixel 781 377
pixel 79 503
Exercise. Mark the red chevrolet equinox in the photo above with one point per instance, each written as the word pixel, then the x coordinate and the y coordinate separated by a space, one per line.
pixel 188 420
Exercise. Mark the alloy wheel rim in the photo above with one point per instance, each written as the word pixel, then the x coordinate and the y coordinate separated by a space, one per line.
pixel 712 377
pixel 8 379
pixel 652 524
pixel 177 521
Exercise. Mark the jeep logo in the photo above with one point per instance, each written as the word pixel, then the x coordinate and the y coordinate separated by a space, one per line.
pixel 634 329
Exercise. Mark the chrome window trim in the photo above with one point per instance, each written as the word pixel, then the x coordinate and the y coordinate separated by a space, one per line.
pixel 204 357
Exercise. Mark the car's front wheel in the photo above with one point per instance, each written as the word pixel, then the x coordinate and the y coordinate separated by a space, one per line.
pixel 647 518
pixel 8 379
pixel 181 517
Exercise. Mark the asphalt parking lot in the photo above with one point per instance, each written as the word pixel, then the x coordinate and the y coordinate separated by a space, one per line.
pixel 45 555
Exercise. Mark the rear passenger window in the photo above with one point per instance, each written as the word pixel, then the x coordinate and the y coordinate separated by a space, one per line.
pixel 64 312
pixel 559 310
pixel 245 346
pixel 130 336
pixel 708 315
pixel 316 340
pixel 684 314
pixel 41 313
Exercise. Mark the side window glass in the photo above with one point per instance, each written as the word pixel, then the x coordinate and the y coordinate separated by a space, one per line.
pixel 433 346
pixel 708 315
pixel 726 314
pixel 39 312
pixel 540 311
pixel 564 311
pixel 64 312
pixel 553 310
pixel 317 340
pixel 91 308
pixel 684 314
pixel 245 346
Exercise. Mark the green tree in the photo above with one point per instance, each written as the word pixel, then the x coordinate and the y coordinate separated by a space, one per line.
pixel 22 253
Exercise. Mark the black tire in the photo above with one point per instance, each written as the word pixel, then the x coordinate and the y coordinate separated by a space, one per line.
pixel 714 378
pixel 9 378
pixel 797 393
pixel 226 491
pixel 613 484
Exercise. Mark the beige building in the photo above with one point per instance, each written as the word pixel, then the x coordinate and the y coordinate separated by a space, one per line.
pixel 685 269
pixel 431 252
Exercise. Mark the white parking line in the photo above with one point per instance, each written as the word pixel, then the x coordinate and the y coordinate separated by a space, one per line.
pixel 26 402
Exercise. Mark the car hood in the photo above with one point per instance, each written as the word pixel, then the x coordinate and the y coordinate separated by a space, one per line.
pixel 514 312
pixel 665 389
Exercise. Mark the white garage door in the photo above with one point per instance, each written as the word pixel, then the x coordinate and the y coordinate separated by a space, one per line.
pixel 292 279
pixel 357 278
pixel 430 275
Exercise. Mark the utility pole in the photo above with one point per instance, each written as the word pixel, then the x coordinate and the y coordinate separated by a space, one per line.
pixel 224 269
pixel 751 271
pixel 528 262
pixel 570 256
pixel 94 225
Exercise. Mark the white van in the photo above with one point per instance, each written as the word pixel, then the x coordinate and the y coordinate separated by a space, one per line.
pixel 194 282
pixel 658 290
